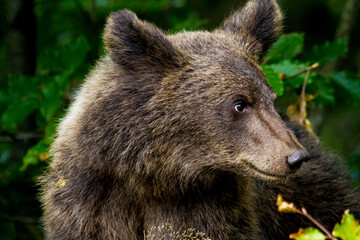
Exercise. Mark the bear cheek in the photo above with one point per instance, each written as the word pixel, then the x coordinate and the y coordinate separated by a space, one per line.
pixel 263 163
pixel 259 152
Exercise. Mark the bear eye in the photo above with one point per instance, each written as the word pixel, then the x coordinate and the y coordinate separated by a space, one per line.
pixel 240 107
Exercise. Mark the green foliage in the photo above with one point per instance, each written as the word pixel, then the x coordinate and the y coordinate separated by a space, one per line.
pixel 308 234
pixel 34 154
pixel 274 79
pixel 43 92
pixel 65 60
pixel 21 98
pixel 327 51
pixel 287 59
pixel 348 229
pixel 288 69
pixel 286 48
pixel 41 96
pixel 351 85
pixel 325 89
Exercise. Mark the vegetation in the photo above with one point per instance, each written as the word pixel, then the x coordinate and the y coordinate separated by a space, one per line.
pixel 51 45
pixel 289 71
pixel 347 229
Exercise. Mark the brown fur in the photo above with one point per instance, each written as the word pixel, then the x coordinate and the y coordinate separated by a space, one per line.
pixel 153 139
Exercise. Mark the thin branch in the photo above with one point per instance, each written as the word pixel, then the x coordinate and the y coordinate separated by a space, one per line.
pixel 302 105
pixel 302 99
pixel 36 234
pixel 315 65
pixel 306 214
pixel 22 136
pixel 28 222
pixel 295 75
pixel 284 206
pixel 20 219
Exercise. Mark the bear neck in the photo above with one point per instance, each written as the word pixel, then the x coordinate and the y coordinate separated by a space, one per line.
pixel 222 197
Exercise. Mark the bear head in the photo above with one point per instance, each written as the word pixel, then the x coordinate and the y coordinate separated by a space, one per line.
pixel 193 103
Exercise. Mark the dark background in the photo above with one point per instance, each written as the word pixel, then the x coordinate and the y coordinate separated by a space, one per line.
pixel 47 47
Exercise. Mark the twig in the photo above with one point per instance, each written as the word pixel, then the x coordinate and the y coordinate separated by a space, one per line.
pixel 28 222
pixel 284 77
pixel 35 232
pixel 22 136
pixel 306 214
pixel 302 104
pixel 295 75
pixel 21 219
pixel 287 207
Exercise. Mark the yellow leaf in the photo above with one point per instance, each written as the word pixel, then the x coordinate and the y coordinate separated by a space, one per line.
pixel 43 156
pixel 284 206
pixel 292 112
pixel 309 97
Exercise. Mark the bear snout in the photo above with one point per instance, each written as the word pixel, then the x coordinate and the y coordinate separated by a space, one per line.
pixel 296 158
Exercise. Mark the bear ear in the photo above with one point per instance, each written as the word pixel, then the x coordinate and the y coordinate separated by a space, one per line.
pixel 257 26
pixel 139 46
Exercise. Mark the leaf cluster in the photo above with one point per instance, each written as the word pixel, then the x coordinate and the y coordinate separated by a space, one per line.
pixel 286 61
pixel 347 229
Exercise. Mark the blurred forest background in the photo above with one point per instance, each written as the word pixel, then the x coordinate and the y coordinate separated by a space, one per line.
pixel 47 47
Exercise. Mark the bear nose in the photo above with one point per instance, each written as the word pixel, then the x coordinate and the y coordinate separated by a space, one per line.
pixel 297 157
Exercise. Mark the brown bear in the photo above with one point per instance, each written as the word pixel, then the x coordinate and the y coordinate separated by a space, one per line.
pixel 177 137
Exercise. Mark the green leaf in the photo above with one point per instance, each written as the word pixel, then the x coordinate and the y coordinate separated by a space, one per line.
pixel 35 154
pixel 327 51
pixel 63 82
pixel 50 101
pixel 67 60
pixel 308 234
pixel 52 89
pixel 17 112
pixel 4 97
pixel 286 48
pixel 352 85
pixel 348 229
pixel 324 90
pixel 74 54
pixel 290 68
pixel 23 96
pixel 50 131
pixel 274 79
pixel 23 87
pixel 48 62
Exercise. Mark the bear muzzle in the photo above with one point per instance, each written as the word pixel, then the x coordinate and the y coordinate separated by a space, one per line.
pixel 296 158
